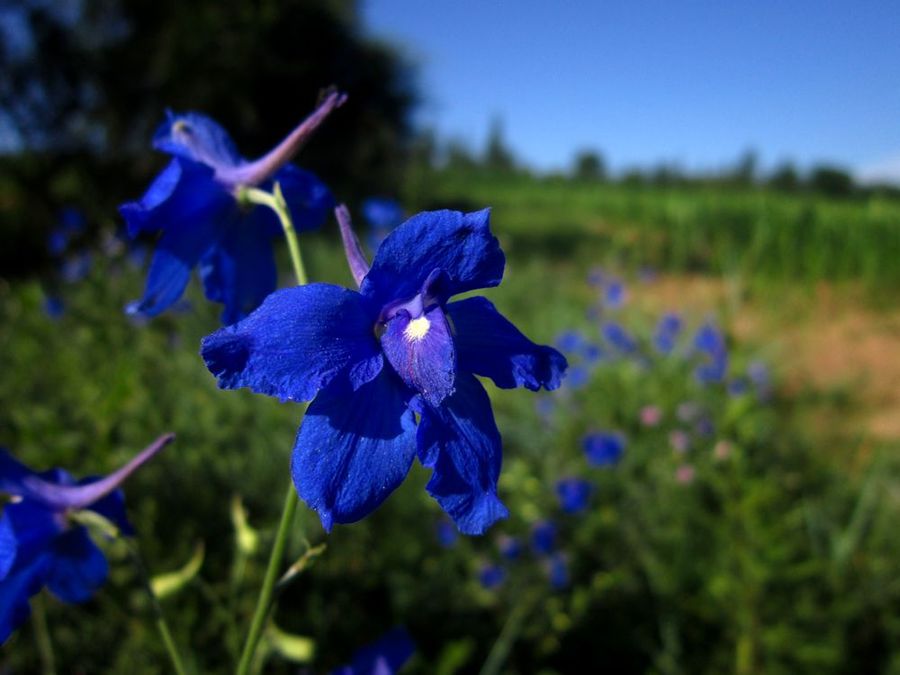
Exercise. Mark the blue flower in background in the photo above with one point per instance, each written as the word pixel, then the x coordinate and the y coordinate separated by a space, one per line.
pixel 614 294
pixel 574 494
pixel 76 268
pixel 490 576
pixel 618 337
pixel 195 203
pixel 385 657
pixel 578 378
pixel 383 215
pixel 738 386
pixel 759 374
pixel 665 337
pixel 558 571
pixel 570 341
pixel 604 448
pixel 509 547
pixel 373 359
pixel 41 546
pixel 54 307
pixel 543 537
pixel 710 342
pixel 71 223
pixel 446 534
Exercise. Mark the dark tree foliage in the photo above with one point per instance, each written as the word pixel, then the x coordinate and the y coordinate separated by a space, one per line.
pixel 831 181
pixel 785 178
pixel 589 166
pixel 84 89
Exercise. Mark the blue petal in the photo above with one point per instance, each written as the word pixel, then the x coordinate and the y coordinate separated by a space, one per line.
pixel 8 545
pixel 573 494
pixel 604 448
pixel 354 448
pixel 15 591
pixel 181 194
pixel 460 441
pixel 240 271
pixel 460 245
pixel 78 568
pixel 488 344
pixel 543 537
pixel 385 657
pixel 196 137
pixel 491 576
pixel 296 342
pixel 34 527
pixel 308 198
pixel 421 352
pixel 382 213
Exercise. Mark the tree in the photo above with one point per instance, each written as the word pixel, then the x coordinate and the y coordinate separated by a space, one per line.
pixel 785 178
pixel 589 166
pixel 831 181
pixel 497 155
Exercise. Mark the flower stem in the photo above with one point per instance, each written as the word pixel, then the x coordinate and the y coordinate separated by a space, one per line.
pixel 42 636
pixel 161 625
pixel 264 601
pixel 500 651
pixel 275 201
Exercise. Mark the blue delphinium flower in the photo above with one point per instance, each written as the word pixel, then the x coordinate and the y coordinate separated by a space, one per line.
pixel 570 341
pixel 195 203
pixel 710 343
pixel 666 334
pixel 738 386
pixel 578 377
pixel 39 543
pixel 71 223
pixel 574 494
pixel 543 537
pixel 618 337
pixel 54 307
pixel 374 359
pixel 604 448
pixel 385 657
pixel 491 575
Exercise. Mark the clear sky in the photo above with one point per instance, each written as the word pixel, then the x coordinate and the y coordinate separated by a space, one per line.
pixel 646 81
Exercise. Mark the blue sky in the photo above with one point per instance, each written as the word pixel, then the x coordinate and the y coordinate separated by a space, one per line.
pixel 647 81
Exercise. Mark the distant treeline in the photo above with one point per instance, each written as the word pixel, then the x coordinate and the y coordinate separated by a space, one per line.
pixel 589 165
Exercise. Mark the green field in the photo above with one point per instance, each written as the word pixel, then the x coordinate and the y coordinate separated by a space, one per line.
pixel 779 555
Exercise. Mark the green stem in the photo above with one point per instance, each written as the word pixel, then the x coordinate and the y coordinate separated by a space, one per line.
pixel 161 624
pixel 275 201
pixel 264 601
pixel 42 636
pixel 497 656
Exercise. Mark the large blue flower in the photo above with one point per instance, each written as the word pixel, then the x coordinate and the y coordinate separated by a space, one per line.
pixel 195 204
pixel 375 359
pixel 41 546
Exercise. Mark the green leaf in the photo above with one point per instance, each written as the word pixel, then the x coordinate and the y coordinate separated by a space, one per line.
pixel 167 584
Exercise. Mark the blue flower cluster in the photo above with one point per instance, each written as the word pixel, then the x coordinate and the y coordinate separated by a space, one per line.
pixel 42 544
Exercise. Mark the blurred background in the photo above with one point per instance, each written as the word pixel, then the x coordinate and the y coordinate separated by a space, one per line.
pixel 700 205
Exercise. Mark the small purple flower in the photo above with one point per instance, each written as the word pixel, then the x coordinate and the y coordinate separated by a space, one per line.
pixel 385 657
pixel 687 411
pixel 374 360
pixel 574 494
pixel 591 353
pixel 596 276
pixel 651 415
pixel 490 576
pixel 543 537
pixel 685 474
pixel 558 571
pixel 679 440
pixel 509 547
pixel 195 203
pixel 759 375
pixel 618 337
pixel 40 545
pixel 738 386
pixel 604 448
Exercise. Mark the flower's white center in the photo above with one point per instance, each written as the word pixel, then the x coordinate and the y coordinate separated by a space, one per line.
pixel 417 329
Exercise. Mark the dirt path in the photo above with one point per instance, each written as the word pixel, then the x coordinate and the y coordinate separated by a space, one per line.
pixel 827 344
